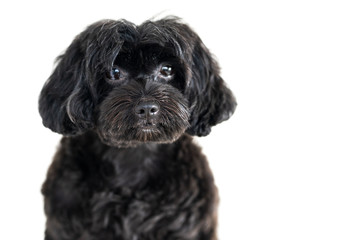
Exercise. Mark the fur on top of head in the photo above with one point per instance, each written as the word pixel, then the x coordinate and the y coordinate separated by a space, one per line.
pixel 114 66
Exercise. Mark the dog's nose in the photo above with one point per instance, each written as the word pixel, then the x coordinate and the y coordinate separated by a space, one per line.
pixel 147 109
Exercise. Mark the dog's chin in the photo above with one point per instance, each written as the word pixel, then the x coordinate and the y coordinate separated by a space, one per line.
pixel 136 136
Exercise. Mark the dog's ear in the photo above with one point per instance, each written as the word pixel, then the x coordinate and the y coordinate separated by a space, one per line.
pixel 211 100
pixel 65 103
pixel 68 98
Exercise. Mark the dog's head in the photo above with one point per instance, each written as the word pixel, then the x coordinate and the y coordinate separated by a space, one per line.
pixel 133 84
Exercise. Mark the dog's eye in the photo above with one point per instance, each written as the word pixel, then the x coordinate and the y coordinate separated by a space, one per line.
pixel 167 70
pixel 115 74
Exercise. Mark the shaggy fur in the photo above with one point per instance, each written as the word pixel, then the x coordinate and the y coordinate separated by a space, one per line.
pixel 128 100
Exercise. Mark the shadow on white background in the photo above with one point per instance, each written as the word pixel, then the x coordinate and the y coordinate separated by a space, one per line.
pixel 287 163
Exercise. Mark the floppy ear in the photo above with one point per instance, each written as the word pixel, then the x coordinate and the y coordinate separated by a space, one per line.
pixel 211 101
pixel 65 104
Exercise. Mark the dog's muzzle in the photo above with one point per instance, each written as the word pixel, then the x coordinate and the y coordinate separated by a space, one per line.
pixel 136 113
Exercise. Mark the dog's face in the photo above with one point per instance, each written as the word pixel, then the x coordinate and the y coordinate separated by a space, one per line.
pixel 145 99
pixel 134 84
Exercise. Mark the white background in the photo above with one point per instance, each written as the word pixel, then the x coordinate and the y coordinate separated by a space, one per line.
pixel 287 163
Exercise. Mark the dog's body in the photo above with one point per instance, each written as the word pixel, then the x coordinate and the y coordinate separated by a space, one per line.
pixel 153 191
pixel 128 98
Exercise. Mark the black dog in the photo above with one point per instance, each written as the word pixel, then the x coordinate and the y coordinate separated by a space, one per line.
pixel 128 98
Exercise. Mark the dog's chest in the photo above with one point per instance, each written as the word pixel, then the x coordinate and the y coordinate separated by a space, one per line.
pixel 136 168
pixel 145 190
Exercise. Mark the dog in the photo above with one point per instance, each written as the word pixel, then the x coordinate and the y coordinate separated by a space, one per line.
pixel 128 100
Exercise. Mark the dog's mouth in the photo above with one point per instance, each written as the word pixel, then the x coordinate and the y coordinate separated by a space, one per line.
pixel 147 128
pixel 147 125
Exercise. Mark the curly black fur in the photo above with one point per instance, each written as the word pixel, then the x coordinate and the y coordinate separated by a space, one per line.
pixel 127 99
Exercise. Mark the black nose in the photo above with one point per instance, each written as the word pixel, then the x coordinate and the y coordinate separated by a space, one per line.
pixel 147 109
